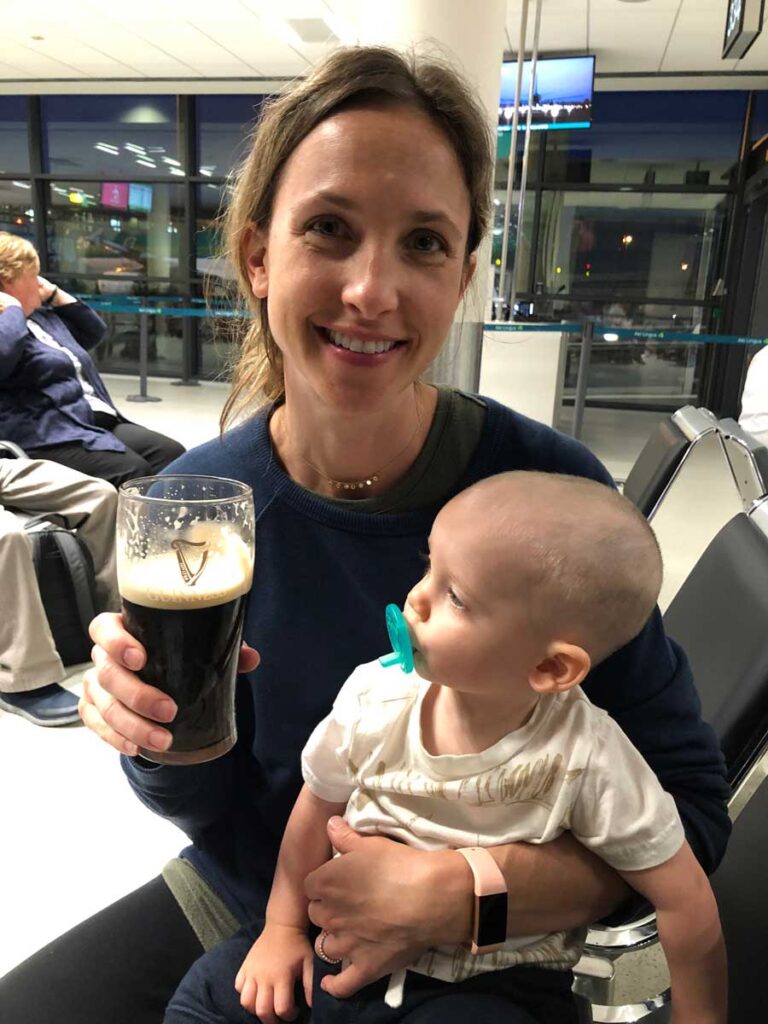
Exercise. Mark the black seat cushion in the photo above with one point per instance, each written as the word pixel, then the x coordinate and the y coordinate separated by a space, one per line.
pixel 720 618
pixel 655 465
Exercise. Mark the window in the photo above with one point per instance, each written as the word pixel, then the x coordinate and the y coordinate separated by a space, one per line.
pixel 14 147
pixel 626 247
pixel 224 124
pixel 655 138
pixel 114 136
pixel 16 212
pixel 113 234
pixel 759 117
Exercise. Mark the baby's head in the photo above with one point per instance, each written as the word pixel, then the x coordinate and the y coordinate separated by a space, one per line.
pixel 541 575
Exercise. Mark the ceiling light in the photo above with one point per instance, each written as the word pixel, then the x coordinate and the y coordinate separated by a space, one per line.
pixel 313 30
pixel 281 30
pixel 610 337
pixel 21 184
pixel 147 163
pixel 171 161
pixel 176 170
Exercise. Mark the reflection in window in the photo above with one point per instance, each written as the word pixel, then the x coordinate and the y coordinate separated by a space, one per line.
pixel 208 243
pixel 518 250
pixel 14 149
pixel 652 138
pixel 224 124
pixel 119 351
pixel 759 126
pixel 114 234
pixel 115 136
pixel 632 246
pixel 16 212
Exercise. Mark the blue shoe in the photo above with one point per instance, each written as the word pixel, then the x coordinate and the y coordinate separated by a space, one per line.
pixel 50 705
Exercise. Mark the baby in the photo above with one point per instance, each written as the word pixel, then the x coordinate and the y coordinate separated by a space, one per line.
pixel 532 580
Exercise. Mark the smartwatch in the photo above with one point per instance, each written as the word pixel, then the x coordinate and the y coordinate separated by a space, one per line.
pixel 489 919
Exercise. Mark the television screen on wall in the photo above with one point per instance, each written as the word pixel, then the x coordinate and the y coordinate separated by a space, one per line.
pixel 562 93
pixel 140 198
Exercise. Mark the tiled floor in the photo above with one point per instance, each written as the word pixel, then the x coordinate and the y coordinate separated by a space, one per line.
pixel 75 838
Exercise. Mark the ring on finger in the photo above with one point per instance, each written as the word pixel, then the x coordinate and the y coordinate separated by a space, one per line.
pixel 320 950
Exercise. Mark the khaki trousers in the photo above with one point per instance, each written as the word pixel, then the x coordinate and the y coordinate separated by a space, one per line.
pixel 28 658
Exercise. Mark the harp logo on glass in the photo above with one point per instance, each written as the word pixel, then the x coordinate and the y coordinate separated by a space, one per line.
pixel 190 554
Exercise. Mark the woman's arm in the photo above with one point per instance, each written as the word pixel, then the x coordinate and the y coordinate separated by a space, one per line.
pixel 13 332
pixel 387 892
pixel 85 325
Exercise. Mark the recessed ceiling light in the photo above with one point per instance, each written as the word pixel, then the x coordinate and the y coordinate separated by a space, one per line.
pixel 633 1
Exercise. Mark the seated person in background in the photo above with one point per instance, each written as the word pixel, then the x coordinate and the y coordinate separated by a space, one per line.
pixel 533 578
pixel 754 398
pixel 52 400
pixel 30 668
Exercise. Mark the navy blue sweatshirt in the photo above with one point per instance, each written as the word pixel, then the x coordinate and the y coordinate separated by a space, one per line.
pixel 323 575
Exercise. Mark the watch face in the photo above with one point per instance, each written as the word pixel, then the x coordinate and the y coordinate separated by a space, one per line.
pixel 492 919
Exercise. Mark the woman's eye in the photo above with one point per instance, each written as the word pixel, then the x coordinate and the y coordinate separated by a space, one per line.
pixel 454 598
pixel 427 243
pixel 326 227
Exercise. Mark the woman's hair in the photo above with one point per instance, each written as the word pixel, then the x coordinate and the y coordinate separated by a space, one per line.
pixel 17 256
pixel 351 77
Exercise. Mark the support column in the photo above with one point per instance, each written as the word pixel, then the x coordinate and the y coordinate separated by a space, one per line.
pixel 472 34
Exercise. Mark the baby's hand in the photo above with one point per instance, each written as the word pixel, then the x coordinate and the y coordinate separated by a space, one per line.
pixel 280 957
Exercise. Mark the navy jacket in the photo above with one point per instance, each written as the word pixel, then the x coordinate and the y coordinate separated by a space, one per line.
pixel 41 400
pixel 322 577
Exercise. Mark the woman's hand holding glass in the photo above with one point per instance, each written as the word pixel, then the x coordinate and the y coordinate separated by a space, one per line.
pixel 116 704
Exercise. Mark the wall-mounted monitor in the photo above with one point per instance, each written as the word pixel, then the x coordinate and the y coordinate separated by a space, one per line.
pixel 140 198
pixel 115 194
pixel 562 93
pixel 743 24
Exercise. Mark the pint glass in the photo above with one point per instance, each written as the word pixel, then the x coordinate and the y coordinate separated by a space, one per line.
pixel 184 569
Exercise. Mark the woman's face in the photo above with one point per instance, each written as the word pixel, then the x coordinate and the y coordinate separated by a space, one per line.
pixel 25 289
pixel 363 264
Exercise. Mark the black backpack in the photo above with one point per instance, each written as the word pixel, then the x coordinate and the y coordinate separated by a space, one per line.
pixel 66 580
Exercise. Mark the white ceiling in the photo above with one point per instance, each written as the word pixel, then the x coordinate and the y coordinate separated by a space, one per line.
pixel 235 40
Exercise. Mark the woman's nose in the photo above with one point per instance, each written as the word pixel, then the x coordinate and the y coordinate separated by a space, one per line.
pixel 372 286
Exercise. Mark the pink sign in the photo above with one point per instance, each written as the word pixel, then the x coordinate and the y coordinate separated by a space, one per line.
pixel 115 194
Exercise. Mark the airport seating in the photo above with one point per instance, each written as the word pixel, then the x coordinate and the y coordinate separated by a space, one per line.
pixel 720 617
pixel 9 450
pixel 664 454
pixel 748 460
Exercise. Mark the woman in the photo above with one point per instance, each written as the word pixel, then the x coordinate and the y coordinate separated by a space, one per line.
pixel 354 226
pixel 52 400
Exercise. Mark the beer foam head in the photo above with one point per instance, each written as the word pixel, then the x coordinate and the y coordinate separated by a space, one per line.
pixel 198 570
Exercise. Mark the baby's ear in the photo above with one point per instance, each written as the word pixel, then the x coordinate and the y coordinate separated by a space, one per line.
pixel 564 667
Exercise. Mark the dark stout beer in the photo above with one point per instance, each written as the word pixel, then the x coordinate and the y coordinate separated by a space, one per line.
pixel 191 634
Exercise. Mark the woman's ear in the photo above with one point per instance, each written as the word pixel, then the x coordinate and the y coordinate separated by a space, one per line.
pixel 564 667
pixel 469 272
pixel 255 249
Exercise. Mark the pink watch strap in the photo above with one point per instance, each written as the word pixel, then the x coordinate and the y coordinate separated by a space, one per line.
pixel 489 881
pixel 489 878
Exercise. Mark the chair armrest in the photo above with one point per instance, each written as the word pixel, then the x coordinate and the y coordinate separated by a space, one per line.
pixel 9 450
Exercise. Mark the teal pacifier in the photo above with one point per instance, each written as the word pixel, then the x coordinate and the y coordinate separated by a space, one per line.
pixel 400 638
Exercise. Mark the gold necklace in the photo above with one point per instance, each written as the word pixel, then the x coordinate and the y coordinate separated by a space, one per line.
pixel 373 478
